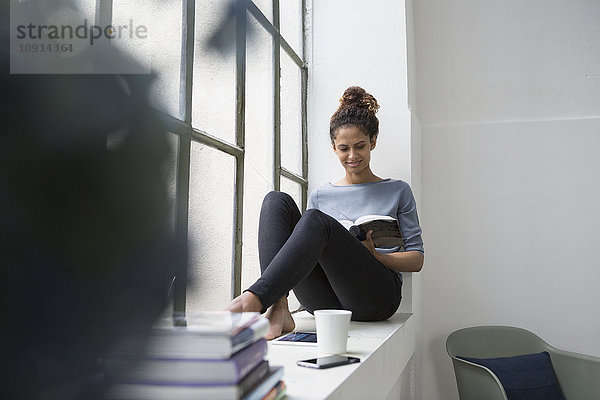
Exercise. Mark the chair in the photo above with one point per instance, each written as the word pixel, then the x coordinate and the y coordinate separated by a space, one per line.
pixel 577 374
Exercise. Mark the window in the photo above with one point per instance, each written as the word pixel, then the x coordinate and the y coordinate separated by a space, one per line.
pixel 238 124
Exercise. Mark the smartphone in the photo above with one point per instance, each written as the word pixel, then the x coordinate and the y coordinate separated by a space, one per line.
pixel 328 362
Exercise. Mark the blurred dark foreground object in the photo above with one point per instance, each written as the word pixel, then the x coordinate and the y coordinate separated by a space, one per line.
pixel 86 250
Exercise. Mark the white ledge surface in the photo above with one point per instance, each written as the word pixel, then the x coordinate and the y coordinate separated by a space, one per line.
pixel 384 349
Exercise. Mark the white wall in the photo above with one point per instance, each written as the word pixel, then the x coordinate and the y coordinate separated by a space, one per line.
pixel 483 61
pixel 364 44
pixel 508 96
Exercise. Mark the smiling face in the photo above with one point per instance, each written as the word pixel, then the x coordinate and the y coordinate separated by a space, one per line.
pixel 353 148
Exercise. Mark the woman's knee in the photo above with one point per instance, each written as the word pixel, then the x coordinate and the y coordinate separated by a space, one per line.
pixel 275 197
pixel 314 214
pixel 315 219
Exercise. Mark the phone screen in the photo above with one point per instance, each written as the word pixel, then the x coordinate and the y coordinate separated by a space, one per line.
pixel 328 362
pixel 305 337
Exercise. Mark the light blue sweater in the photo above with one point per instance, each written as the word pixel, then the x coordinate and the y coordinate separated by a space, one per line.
pixel 386 197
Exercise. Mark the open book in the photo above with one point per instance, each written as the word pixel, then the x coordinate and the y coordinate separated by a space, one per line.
pixel 386 232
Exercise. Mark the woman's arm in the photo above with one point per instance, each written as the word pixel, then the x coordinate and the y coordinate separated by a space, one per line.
pixel 409 261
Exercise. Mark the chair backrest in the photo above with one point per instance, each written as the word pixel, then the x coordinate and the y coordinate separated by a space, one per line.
pixel 476 382
pixel 494 341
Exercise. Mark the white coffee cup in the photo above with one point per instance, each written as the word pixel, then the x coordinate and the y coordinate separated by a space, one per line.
pixel 332 330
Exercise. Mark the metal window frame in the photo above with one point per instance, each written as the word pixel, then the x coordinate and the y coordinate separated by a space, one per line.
pixel 187 133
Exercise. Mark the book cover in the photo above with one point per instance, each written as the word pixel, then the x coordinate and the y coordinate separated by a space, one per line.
pixel 210 322
pixel 139 391
pixel 164 371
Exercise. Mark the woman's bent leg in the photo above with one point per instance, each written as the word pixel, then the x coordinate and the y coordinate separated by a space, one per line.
pixel 360 282
pixel 279 215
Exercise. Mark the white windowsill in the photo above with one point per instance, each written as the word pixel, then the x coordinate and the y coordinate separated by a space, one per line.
pixel 385 348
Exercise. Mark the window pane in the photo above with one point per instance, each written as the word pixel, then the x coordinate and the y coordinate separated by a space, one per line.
pixel 290 22
pixel 87 8
pixel 166 50
pixel 291 115
pixel 293 189
pixel 161 50
pixel 210 233
pixel 213 94
pixel 258 180
pixel 266 6
pixel 171 176
pixel 124 11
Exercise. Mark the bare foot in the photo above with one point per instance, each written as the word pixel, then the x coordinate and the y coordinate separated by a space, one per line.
pixel 281 319
pixel 245 302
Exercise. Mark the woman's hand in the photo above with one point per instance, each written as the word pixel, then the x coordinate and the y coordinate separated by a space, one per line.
pixel 409 261
pixel 368 243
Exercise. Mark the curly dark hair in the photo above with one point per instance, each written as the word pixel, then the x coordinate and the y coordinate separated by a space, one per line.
pixel 358 108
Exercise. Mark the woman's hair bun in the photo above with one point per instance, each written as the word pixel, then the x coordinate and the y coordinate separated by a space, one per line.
pixel 358 97
pixel 357 108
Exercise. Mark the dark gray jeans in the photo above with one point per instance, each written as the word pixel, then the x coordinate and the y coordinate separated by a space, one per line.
pixel 325 265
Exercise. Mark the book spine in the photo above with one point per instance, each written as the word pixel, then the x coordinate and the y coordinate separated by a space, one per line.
pixel 247 359
pixel 264 387
pixel 257 375
pixel 189 346
pixel 250 335
pixel 177 371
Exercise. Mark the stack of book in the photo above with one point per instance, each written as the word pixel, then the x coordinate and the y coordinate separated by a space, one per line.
pixel 209 355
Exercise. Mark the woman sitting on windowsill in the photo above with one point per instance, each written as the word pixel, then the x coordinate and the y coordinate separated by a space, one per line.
pixel 313 254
